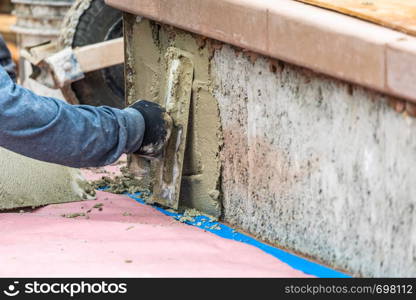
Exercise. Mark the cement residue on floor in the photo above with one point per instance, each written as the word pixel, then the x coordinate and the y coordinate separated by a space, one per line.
pixel 125 183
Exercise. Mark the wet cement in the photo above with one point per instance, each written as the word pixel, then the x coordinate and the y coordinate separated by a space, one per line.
pixel 70 22
pixel 125 183
pixel 147 46
pixel 25 182
pixel 310 163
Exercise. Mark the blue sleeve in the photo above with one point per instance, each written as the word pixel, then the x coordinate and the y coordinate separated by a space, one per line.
pixel 51 130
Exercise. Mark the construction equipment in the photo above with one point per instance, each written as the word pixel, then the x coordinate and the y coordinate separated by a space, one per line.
pixel 58 69
pixel 86 61
pixel 48 183
pixel 6 23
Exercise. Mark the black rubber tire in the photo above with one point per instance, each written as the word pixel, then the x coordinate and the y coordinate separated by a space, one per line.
pixel 102 87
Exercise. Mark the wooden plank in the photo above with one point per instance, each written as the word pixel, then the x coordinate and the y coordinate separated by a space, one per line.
pixel 396 14
pixel 26 182
pixel 101 55
pixel 6 22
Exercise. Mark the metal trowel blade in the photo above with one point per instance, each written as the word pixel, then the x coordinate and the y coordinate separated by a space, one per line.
pixel 168 168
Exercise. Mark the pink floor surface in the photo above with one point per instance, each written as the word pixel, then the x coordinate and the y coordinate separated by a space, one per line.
pixel 124 239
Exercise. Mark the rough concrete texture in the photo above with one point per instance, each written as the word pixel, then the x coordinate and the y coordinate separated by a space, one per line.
pixel 317 165
pixel 147 45
pixel 25 182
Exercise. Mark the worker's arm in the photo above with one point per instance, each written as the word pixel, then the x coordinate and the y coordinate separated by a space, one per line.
pixel 6 59
pixel 73 135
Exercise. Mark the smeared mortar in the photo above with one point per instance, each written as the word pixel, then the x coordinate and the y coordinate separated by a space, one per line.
pixel 147 44
pixel 126 183
pixel 177 98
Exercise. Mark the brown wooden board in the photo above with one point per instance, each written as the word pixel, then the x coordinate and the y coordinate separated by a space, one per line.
pixel 396 14
pixel 6 23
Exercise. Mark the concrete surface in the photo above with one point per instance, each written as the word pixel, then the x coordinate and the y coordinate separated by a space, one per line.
pixel 25 182
pixel 317 165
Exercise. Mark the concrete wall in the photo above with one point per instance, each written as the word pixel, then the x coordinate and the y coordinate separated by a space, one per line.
pixel 317 165
pixel 309 163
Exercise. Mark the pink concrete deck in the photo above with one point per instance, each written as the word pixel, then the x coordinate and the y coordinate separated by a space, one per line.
pixel 110 244
pixel 124 239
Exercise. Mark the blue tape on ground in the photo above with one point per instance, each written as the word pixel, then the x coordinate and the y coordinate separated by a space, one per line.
pixel 227 232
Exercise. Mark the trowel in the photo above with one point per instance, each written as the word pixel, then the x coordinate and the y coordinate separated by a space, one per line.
pixel 177 98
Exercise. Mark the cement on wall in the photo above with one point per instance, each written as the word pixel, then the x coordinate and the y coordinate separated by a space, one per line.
pixel 25 182
pixel 147 46
pixel 317 165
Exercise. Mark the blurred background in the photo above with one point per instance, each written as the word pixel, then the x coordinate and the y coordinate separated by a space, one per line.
pixel 7 20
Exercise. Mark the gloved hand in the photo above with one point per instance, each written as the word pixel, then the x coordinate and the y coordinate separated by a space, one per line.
pixel 158 127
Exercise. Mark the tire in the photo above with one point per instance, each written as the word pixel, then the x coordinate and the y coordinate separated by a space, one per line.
pixel 99 23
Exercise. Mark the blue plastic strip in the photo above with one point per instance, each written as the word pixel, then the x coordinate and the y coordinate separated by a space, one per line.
pixel 227 232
